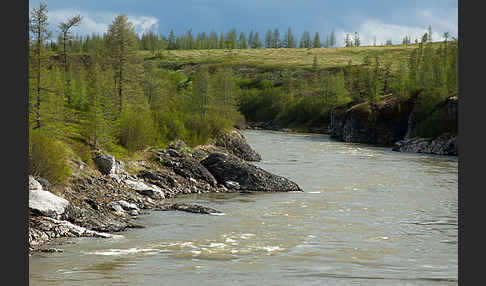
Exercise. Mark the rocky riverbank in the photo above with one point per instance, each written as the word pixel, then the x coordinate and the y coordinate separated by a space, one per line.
pixel 446 144
pixel 444 115
pixel 100 202
pixel 382 123
pixel 392 122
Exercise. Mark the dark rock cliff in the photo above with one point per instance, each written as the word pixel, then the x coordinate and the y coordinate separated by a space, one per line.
pixel 382 123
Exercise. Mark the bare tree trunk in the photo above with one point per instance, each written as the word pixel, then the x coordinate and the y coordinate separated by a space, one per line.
pixel 38 125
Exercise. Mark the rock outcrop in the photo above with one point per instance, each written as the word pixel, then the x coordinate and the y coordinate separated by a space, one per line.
pixel 235 143
pixel 192 208
pixel 446 144
pixel 185 166
pixel 383 123
pixel 444 115
pixel 108 165
pixel 229 168
pixel 44 229
pixel 43 202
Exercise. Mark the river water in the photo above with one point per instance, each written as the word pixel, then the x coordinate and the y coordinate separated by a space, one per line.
pixel 367 216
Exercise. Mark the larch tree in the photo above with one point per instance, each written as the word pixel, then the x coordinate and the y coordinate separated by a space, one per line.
pixel 269 39
pixel 276 39
pixel 251 38
pixel 65 37
pixel 224 90
pixel 121 44
pixel 317 41
pixel 213 40
pixel 200 88
pixel 429 34
pixel 242 44
pixel 332 40
pixel 231 39
pixel 38 26
pixel 305 41
pixel 257 41
pixel 221 43
pixel 289 40
pixel 357 40
pixel 171 44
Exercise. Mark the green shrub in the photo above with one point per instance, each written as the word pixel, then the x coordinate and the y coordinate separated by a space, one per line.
pixel 137 129
pixel 239 121
pixel 171 126
pixel 47 157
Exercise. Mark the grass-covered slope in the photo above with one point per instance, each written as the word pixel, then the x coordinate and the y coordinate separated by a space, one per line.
pixel 284 58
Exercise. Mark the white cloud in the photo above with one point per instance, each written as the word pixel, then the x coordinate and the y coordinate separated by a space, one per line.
pixel 98 22
pixel 374 28
pixel 445 22
pixel 371 28
pixel 144 23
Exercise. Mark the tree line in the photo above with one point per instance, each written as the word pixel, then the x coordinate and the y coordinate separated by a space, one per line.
pixel 151 41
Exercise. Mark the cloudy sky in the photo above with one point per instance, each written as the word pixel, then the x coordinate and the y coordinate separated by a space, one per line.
pixel 383 19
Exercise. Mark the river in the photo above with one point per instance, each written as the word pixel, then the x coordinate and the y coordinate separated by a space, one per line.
pixel 367 216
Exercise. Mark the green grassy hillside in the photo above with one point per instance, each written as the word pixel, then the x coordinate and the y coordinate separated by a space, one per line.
pixel 285 58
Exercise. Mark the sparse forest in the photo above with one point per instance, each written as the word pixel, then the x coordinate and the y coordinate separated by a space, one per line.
pixel 110 98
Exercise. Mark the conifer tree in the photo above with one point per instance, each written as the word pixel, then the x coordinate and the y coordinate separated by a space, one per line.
pixel 200 88
pixel 55 101
pixel 257 41
pixel 224 90
pixel 231 41
pixel 317 41
pixel 357 40
pixel 38 26
pixel 199 42
pixel 289 40
pixel 276 39
pixel 213 39
pixel 251 39
pixel 305 41
pixel 65 36
pixel 269 39
pixel 121 44
pixel 93 121
pixel 332 39
pixel 189 42
pixel 242 41
pixel 171 44
pixel 347 41
pixel 222 43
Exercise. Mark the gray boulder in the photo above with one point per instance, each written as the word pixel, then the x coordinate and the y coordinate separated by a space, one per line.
pixel 46 186
pixel 227 167
pixel 151 191
pixel 185 166
pixel 128 206
pixel 45 203
pixel 108 165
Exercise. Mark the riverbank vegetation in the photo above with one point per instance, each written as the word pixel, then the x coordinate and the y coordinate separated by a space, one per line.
pixel 431 68
pixel 122 93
